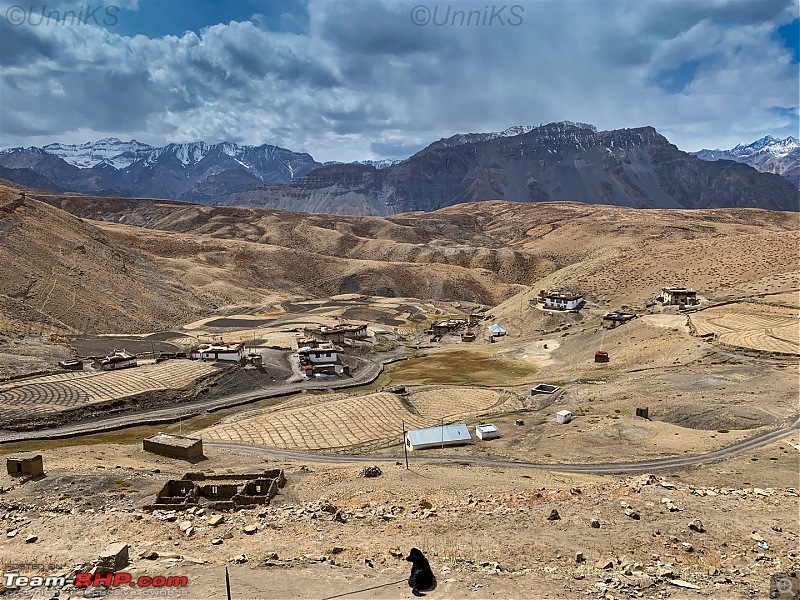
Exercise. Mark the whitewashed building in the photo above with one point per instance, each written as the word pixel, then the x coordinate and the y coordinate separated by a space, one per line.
pixel 220 351
pixel 563 416
pixel 487 431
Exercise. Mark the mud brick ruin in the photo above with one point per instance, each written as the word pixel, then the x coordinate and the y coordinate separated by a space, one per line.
pixel 219 492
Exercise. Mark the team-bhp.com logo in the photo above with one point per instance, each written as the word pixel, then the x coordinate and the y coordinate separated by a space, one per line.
pixel 88 580
pixel 501 15
pixel 35 15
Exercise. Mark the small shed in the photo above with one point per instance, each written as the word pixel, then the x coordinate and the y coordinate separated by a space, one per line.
pixel 601 356
pixel 114 557
pixel 436 437
pixel 25 464
pixel 487 431
pixel 174 446
pixel 563 416
pixel 497 330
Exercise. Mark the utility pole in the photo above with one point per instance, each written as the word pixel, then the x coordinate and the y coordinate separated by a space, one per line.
pixel 405 444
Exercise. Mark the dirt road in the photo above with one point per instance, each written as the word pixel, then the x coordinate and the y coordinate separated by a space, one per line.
pixel 646 466
pixel 367 372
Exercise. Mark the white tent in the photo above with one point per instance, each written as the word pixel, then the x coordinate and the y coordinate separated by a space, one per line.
pixel 497 330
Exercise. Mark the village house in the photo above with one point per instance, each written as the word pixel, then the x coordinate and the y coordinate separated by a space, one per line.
pixel 615 319
pixel 337 333
pixel 678 295
pixel 444 327
pixel 174 446
pixel 224 351
pixel 561 300
pixel 120 359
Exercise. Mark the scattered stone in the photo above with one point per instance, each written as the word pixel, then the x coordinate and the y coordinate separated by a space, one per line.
pixel 632 514
pixel 683 584
pixel 215 520
pixel 554 516
pixel 579 557
pixel 11 533
pixel 371 471
pixel 216 541
pixel 604 564
pixel 777 528
pixel 395 552
pixel 595 523
pixel 185 525
pixel 31 539
pixel 250 529
pixel 697 525
pixel 425 504
pixel 240 560
pixel 149 555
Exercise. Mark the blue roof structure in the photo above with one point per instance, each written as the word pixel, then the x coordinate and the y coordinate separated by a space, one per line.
pixel 497 329
pixel 433 436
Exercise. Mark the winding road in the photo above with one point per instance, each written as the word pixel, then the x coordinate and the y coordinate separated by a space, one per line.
pixel 644 466
pixel 366 373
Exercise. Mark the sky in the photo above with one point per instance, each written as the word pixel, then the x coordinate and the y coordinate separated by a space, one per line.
pixel 351 79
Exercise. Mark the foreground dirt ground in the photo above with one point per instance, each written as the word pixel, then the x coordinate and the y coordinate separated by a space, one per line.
pixel 331 532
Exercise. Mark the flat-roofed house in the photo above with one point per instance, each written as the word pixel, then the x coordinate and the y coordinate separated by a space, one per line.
pixel 174 446
pixel 562 300
pixel 678 295
pixel 224 351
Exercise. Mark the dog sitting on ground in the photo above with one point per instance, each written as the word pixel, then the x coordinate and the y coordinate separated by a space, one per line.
pixel 421 577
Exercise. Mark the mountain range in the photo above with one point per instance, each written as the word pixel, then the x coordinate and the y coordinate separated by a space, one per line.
pixel 768 155
pixel 558 161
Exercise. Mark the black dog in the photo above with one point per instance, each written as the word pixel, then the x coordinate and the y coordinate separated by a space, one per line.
pixel 421 577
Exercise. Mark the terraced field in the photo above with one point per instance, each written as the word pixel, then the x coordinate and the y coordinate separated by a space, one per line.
pixel 21 400
pixel 336 421
pixel 751 326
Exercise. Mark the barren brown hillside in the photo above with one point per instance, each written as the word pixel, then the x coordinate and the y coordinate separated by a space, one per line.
pixel 62 273
pixel 613 254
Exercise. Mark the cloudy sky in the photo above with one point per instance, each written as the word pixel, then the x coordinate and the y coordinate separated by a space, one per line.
pixel 350 79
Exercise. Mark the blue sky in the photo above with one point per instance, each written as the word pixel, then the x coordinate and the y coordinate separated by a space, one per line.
pixel 347 80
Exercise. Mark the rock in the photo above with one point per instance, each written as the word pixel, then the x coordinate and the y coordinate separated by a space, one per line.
pixel 216 541
pixel 11 533
pixel 595 523
pixel 579 557
pixel 329 508
pixel 554 516
pixel 149 555
pixel 215 520
pixel 683 584
pixel 250 529
pixel 187 532
pixel 371 471
pixel 240 560
pixel 687 546
pixel 185 525
pixel 339 517
pixel 697 525
pixel 395 552
pixel 632 514
pixel 777 528
pixel 605 563
pixel 425 504
pixel 665 572
pixel 31 539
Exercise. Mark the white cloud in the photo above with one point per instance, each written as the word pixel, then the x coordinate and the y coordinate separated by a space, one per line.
pixel 365 78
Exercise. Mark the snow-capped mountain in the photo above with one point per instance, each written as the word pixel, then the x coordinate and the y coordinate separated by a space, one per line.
pixel 472 138
pixel 195 171
pixel 383 163
pixel 768 155
pixel 109 150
